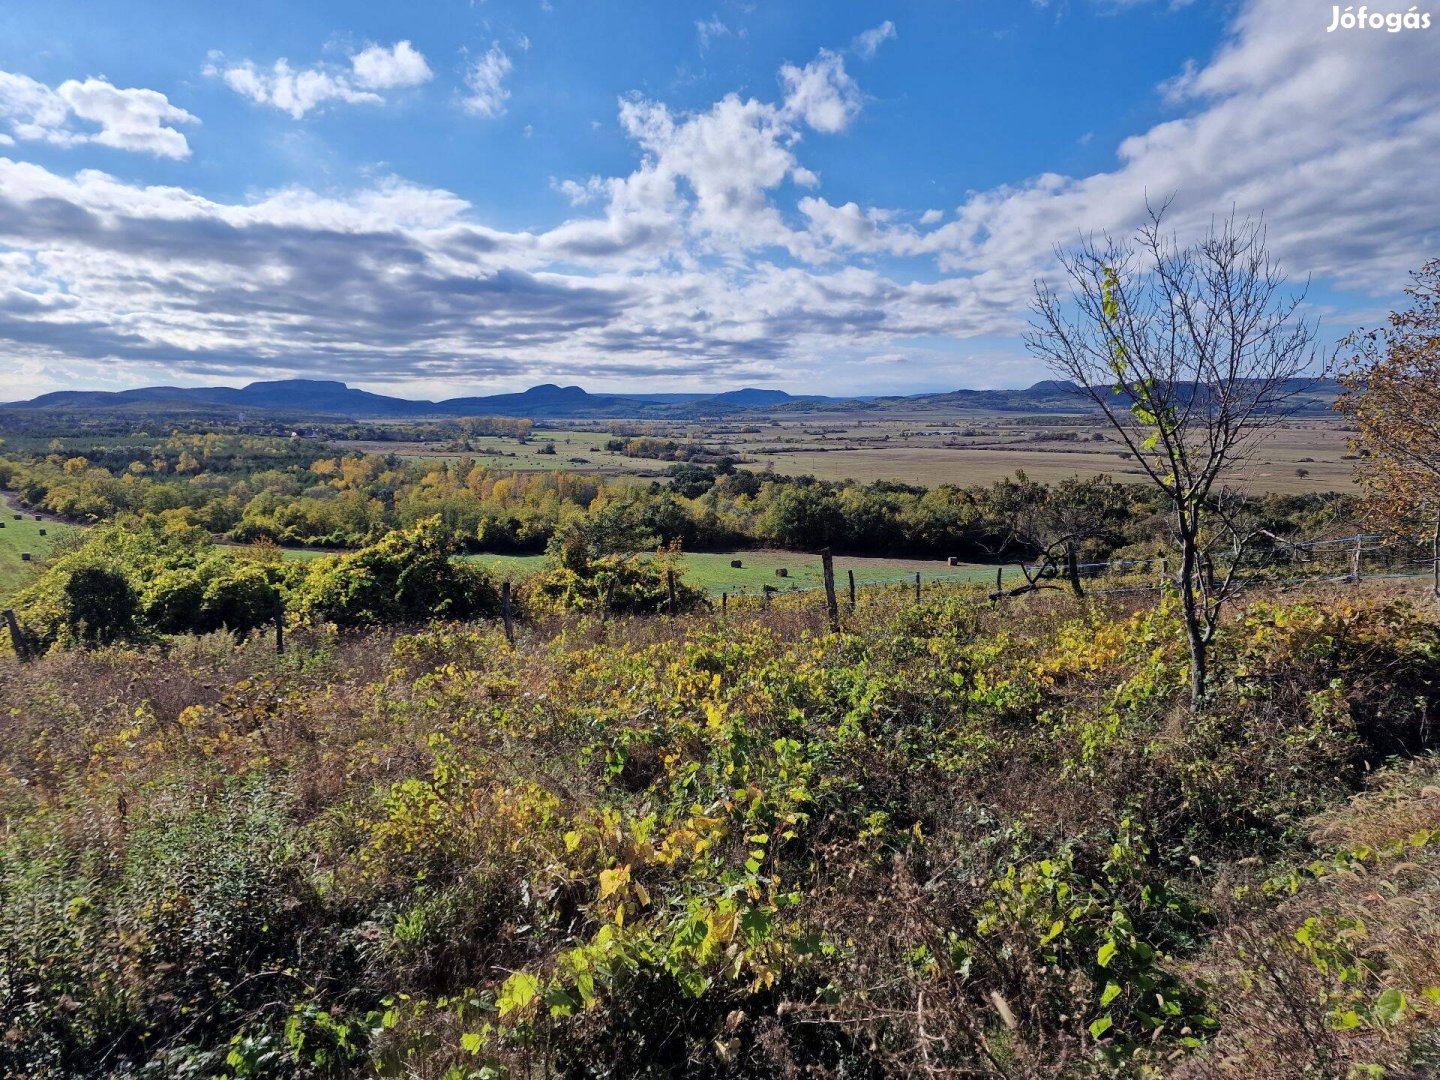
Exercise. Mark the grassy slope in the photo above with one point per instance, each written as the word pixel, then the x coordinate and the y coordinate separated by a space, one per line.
pixel 24 535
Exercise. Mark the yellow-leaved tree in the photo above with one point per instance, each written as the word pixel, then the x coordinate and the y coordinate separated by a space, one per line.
pixel 1392 393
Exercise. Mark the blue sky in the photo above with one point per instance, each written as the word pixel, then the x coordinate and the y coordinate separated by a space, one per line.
pixel 446 198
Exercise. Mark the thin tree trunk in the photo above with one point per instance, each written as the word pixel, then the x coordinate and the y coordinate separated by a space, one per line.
pixel 1194 631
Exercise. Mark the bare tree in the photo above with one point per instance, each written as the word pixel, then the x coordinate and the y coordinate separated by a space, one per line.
pixel 1192 351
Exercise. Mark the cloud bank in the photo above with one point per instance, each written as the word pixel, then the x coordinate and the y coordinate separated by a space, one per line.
pixel 717 258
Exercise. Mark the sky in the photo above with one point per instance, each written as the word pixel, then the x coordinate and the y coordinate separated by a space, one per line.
pixel 850 197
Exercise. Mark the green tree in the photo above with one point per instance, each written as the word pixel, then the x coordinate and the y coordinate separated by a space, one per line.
pixel 408 576
pixel 100 604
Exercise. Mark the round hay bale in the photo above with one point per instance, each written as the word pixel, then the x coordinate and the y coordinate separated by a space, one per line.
pixel 736 564
pixel 780 571
pixel 24 556
pixel 42 532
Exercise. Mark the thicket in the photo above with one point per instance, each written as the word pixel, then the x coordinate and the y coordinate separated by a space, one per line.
pixel 955 839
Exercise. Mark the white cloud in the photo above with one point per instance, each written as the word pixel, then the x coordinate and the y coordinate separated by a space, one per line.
pixel 381 68
pixel 1330 136
pixel 298 91
pixel 485 81
pixel 135 120
pixel 581 194
pixel 866 44
pixel 932 217
pixel 821 93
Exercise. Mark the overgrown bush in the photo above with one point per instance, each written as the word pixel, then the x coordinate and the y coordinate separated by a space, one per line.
pixel 955 839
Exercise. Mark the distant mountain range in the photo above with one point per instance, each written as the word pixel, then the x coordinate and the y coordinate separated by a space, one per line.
pixel 315 397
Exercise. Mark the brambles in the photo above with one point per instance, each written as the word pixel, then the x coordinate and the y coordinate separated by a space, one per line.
pixel 954 839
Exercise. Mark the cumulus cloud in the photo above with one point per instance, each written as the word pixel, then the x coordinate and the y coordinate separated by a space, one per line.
pixel 92 111
pixel 297 91
pixel 382 68
pixel 485 83
pixel 821 93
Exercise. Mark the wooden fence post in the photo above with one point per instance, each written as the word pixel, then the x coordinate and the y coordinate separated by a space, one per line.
pixel 609 596
pixel 724 605
pixel 1072 570
pixel 999 579
pixel 1164 572
pixel 279 614
pixel 1435 559
pixel 917 586
pixel 832 609
pixel 17 639
pixel 851 574
pixel 670 588
pixel 505 611
pixel 1355 562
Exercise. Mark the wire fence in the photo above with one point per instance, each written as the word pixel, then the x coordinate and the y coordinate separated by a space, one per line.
pixel 1367 557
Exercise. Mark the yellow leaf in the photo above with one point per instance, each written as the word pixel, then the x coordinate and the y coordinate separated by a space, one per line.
pixel 611 881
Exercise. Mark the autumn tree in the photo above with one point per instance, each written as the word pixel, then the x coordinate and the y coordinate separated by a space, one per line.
pixel 1191 351
pixel 1392 394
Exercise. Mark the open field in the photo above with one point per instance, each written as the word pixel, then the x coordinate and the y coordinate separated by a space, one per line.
pixel 21 536
pixel 1299 456
pixel 711 570
pixel 1303 455
pixel 575 451
pixel 925 448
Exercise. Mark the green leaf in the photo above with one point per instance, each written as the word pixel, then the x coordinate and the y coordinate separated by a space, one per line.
pixel 471 1042
pixel 1106 953
pixel 1100 1026
pixel 1112 991
pixel 1346 1021
pixel 1390 1006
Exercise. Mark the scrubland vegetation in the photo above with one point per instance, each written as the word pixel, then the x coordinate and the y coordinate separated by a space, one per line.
pixel 956 838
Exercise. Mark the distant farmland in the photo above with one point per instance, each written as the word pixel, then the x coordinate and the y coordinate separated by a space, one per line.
pixel 1303 455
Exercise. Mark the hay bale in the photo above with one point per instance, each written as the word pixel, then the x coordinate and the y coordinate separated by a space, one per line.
pixel 736 564
pixel 24 556
pixel 780 571
pixel 954 561
pixel 42 532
